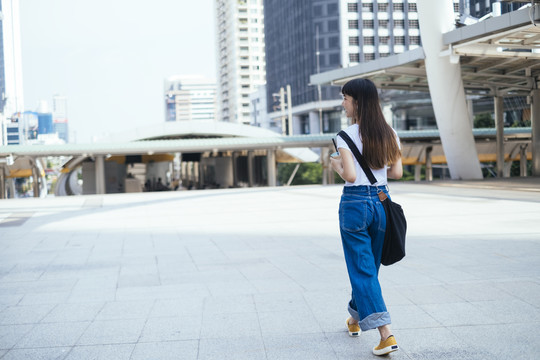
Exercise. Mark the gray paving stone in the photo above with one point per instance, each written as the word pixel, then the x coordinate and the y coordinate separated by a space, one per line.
pixel 460 313
pixel 123 310
pixel 301 346
pixel 245 348
pixel 171 329
pixel 259 273
pixel 112 332
pixel 11 334
pixel 50 353
pixel 288 322
pixel 27 314
pixel 179 306
pixel 231 325
pixel 53 334
pixel 65 312
pixel 224 304
pixel 101 352
pixel 167 350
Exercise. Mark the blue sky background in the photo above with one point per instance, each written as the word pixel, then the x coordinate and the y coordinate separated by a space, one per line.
pixel 110 57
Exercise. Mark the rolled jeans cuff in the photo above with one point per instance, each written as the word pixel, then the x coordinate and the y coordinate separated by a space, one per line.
pixel 371 321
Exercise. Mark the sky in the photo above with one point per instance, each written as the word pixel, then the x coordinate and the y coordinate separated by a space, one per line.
pixel 110 58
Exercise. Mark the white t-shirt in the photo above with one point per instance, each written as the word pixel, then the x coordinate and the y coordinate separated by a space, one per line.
pixel 361 178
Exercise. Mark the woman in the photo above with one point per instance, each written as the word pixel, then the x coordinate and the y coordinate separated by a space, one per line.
pixel 362 218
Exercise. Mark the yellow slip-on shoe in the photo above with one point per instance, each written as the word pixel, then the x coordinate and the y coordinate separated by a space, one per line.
pixel 354 329
pixel 386 346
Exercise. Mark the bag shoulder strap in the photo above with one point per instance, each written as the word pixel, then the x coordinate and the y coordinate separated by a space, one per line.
pixel 358 156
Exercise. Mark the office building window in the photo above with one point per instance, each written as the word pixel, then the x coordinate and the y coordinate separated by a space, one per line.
pixel 399 6
pixel 317 10
pixel 412 7
pixel 384 40
pixel 352 7
pixel 413 24
pixel 333 59
pixel 414 40
pixel 332 25
pixel 367 7
pixel 354 40
pixel 369 56
pixel 353 24
pixel 355 57
pixel 382 6
pixel 399 24
pixel 384 54
pixel 383 23
pixel 369 40
pixel 332 9
pixel 456 7
pixel 367 24
pixel 333 42
pixel 400 40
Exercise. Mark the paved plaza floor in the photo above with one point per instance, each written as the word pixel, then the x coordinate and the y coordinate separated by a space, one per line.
pixel 259 274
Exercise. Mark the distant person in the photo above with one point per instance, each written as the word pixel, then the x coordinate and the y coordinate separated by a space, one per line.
pixel 362 219
pixel 160 186
pixel 148 185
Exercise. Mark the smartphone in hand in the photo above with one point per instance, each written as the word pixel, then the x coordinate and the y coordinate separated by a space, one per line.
pixel 336 154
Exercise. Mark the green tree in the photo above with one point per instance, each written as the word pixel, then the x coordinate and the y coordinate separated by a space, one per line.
pixel 308 173
pixel 483 121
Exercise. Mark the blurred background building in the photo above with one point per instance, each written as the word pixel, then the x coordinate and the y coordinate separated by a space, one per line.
pixel 190 97
pixel 11 86
pixel 240 38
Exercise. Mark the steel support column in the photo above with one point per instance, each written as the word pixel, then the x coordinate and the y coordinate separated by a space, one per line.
pixel 499 125
pixel 271 166
pixel 250 166
pixel 535 125
pixel 100 174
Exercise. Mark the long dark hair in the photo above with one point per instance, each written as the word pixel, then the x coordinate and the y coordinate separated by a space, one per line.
pixel 378 138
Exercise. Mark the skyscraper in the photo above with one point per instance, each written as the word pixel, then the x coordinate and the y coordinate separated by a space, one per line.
pixel 190 98
pixel 306 37
pixel 11 93
pixel 241 56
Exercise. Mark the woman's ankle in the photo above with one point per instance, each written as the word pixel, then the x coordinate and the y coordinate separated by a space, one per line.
pixel 385 331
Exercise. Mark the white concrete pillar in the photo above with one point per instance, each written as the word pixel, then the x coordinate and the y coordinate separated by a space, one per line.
pixel 100 174
pixel 535 124
pixel 324 160
pixel 271 167
pixel 499 125
pixel 446 90
pixel 314 124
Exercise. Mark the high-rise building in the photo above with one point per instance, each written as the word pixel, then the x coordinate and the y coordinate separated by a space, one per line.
pixel 307 37
pixel 11 93
pixel 241 56
pixel 480 8
pixel 60 119
pixel 190 98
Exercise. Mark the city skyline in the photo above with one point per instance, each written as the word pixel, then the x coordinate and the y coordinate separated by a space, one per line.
pixel 110 60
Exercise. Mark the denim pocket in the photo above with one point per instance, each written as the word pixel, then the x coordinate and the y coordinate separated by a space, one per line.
pixel 353 215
